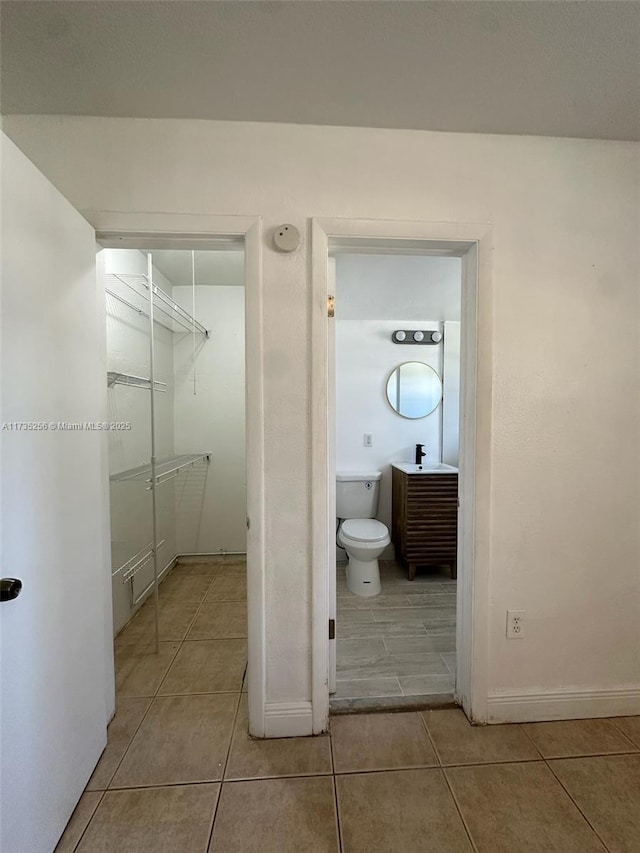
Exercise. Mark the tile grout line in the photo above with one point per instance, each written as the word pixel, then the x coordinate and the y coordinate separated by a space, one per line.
pixel 337 808
pixel 224 772
pixel 151 699
pixel 447 783
pixel 155 694
pixel 568 793
pixel 612 720
pixel 83 833
pixel 137 729
pixel 233 728
pixel 239 694
pixel 550 769
pixel 335 791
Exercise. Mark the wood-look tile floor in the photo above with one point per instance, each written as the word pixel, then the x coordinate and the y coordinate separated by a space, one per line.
pixel 181 775
pixel 398 647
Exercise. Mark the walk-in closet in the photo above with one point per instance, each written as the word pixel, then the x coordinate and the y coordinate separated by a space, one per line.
pixel 176 446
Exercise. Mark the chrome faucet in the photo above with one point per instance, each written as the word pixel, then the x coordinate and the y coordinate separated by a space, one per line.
pixel 420 454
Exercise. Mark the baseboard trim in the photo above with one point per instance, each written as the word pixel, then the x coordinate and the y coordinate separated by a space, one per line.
pixel 566 704
pixel 288 719
pixel 193 557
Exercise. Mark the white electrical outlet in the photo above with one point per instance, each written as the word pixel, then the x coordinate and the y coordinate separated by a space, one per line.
pixel 515 624
pixel 368 439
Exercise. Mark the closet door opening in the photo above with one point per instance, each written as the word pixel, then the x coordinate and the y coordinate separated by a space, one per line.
pixel 177 463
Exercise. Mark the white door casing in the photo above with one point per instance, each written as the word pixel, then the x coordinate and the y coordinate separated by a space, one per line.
pixel 471 242
pixel 57 676
pixel 190 231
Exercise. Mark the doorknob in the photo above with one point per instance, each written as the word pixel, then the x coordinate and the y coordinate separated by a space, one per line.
pixel 10 588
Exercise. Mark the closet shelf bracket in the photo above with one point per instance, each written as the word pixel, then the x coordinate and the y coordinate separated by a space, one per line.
pixel 114 378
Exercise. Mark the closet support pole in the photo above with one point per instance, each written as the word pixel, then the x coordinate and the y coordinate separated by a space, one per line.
pixel 154 513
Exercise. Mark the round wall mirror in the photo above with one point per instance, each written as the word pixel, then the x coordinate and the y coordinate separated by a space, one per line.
pixel 414 389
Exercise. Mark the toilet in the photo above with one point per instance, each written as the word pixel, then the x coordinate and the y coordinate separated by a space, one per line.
pixel 360 534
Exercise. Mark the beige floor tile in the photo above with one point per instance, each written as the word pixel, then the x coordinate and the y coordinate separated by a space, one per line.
pixel 120 732
pixel 276 816
pixel 220 620
pixel 197 568
pixel 578 737
pixel 607 790
pixel 427 685
pixel 206 666
pixel 180 589
pixel 520 807
pixel 363 688
pixel 138 629
pixel 174 621
pixel 182 739
pixel 234 560
pixel 380 742
pixel 139 669
pixel 630 726
pixel 153 820
pixel 406 811
pixel 228 587
pixel 294 756
pixel 78 821
pixel 458 742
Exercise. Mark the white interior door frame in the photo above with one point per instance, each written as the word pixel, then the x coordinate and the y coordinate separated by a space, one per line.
pixel 190 231
pixel 471 242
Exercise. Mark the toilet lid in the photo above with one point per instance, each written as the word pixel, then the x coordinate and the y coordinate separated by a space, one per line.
pixel 364 529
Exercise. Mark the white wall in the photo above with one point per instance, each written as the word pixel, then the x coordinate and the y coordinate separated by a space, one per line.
pixel 393 287
pixel 128 352
pixel 211 501
pixel 564 214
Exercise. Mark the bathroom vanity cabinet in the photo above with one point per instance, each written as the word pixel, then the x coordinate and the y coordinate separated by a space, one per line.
pixel 425 519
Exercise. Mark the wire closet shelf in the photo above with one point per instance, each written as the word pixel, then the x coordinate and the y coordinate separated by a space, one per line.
pixel 139 293
pixel 165 469
pixel 132 290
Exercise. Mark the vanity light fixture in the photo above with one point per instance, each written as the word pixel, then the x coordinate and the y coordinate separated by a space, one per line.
pixel 415 336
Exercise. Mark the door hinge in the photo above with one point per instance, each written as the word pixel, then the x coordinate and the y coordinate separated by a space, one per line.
pixel 331 306
pixel 332 629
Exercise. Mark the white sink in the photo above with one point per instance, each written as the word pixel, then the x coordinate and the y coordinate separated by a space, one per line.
pixel 425 468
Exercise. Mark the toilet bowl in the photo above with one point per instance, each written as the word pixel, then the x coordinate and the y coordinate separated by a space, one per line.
pixel 359 533
pixel 364 539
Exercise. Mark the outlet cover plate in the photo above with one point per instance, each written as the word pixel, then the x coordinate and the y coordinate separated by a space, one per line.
pixel 515 624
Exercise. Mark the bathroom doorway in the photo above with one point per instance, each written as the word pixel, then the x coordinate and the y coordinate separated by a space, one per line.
pixel 395 392
pixel 439 661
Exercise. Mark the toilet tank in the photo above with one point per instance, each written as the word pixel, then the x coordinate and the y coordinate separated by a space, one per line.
pixel 357 494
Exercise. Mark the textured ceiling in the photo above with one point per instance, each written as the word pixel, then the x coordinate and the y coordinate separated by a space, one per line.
pixel 554 68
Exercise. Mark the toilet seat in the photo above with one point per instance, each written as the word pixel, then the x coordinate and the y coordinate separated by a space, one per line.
pixel 364 530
